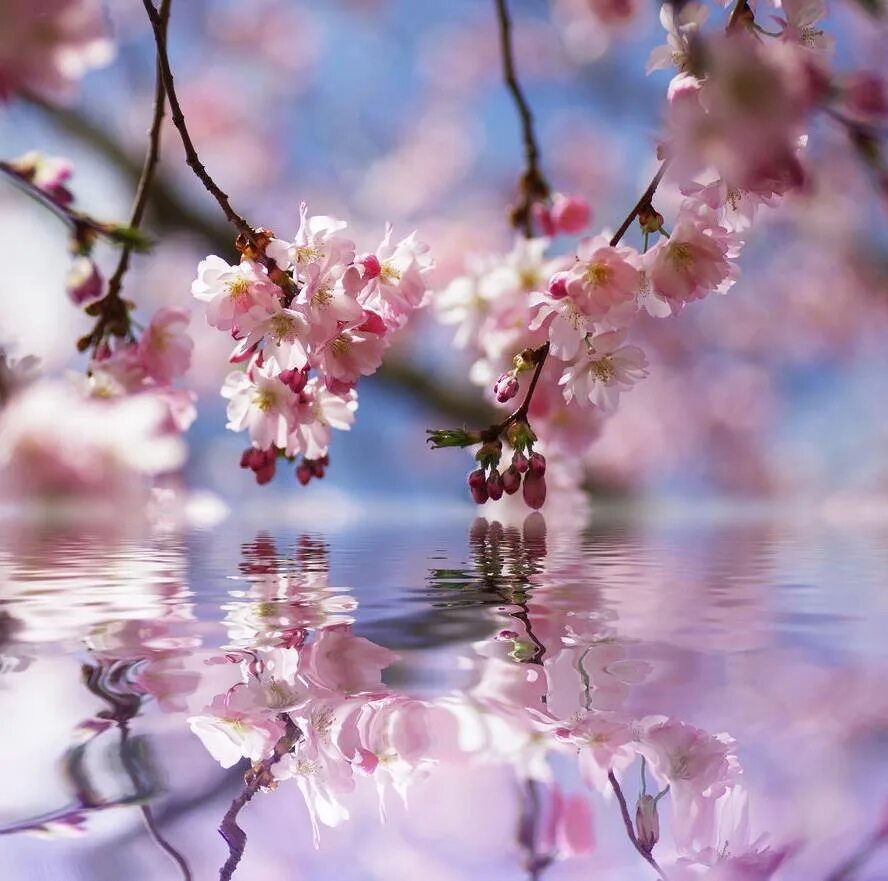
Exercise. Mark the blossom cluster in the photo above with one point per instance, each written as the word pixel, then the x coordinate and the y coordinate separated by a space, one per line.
pixel 310 317
pixel 735 132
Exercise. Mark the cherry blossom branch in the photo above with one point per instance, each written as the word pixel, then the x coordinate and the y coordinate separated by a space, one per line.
pixel 85 227
pixel 533 184
pixel 192 157
pixel 630 829
pixel 643 203
pixel 113 313
pixel 147 815
pixel 528 825
pixel 537 357
pixel 171 212
pixel 257 777
pixel 149 167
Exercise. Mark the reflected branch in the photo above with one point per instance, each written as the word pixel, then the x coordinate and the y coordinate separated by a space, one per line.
pixel 257 777
pixel 630 829
pixel 153 830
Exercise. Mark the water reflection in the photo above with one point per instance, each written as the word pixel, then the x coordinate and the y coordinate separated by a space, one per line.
pixel 633 701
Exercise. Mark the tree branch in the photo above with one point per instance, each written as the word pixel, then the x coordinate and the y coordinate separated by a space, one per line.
pixel 533 185
pixel 178 117
pixel 149 167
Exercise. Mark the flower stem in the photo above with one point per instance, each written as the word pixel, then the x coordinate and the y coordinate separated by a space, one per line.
pixel 630 829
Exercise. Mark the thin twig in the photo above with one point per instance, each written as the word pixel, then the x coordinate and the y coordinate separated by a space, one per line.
pixel 533 185
pixel 520 414
pixel 256 778
pixel 630 829
pixel 178 117
pixel 643 202
pixel 149 167
pixel 147 815
pixel 77 220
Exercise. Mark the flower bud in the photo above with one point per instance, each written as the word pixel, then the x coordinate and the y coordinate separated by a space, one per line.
pixel 478 486
pixel 519 462
pixel 495 486
pixel 511 480
pixel 370 266
pixel 295 380
pixel 303 472
pixel 558 285
pixel 479 494
pixel 506 387
pixel 647 822
pixel 477 479
pixel 650 220
pixel 373 323
pixel 537 464
pixel 543 216
pixel 570 214
pixel 534 490
pixel 266 472
pixel 83 283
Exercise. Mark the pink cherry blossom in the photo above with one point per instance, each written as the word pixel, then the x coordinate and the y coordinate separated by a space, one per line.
pixel 233 729
pixel 694 261
pixel 237 297
pixel 603 743
pixel 316 412
pixel 682 25
pixel 286 334
pixel 261 404
pixel 602 372
pixel 400 287
pixel 603 280
pixel 350 355
pixel 164 349
pixel 56 444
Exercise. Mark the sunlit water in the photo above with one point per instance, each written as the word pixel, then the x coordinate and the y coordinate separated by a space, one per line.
pixel 446 700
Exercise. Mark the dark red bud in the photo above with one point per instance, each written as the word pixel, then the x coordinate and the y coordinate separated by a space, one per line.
pixel 511 480
pixel 534 490
pixel 537 464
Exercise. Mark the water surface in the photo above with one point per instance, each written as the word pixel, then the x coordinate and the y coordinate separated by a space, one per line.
pixel 424 697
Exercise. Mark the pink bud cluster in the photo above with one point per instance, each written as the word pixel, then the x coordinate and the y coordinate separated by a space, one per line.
pixel 488 483
pixel 310 317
